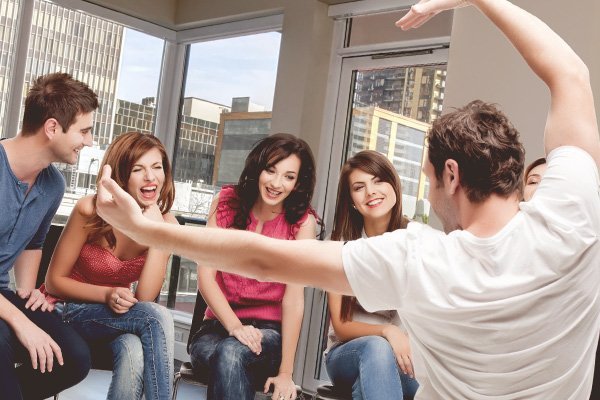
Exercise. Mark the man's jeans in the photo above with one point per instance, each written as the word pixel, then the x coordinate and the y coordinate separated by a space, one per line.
pixel 368 365
pixel 24 381
pixel 235 372
pixel 152 324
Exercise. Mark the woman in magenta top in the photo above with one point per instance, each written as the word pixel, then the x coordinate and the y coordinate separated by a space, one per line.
pixel 249 336
pixel 93 268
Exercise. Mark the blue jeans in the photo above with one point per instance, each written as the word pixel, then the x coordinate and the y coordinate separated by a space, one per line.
pixel 235 372
pixel 24 382
pixel 151 323
pixel 128 367
pixel 368 365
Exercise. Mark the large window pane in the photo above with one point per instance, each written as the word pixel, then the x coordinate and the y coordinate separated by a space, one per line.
pixel 9 12
pixel 121 65
pixel 392 109
pixel 226 109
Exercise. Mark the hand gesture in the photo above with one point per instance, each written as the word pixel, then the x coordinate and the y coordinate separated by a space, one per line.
pixel 116 206
pixel 36 299
pixel 249 336
pixel 120 300
pixel 40 346
pixel 401 347
pixel 424 10
pixel 283 386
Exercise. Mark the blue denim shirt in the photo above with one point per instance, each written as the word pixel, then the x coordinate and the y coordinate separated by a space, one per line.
pixel 25 217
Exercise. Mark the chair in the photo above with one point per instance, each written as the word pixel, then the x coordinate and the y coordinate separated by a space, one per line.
pixel 331 392
pixel 200 378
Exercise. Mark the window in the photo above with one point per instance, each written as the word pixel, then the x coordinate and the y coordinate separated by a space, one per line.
pixel 225 110
pixel 388 90
pixel 119 87
pixel 9 12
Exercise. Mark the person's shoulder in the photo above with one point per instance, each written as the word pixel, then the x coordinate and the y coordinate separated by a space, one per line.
pixel 85 206
pixel 54 177
pixel 227 192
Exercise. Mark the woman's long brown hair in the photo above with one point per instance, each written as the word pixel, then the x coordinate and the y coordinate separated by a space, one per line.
pixel 348 223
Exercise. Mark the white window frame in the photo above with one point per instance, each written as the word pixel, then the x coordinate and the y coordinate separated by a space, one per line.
pixel 333 136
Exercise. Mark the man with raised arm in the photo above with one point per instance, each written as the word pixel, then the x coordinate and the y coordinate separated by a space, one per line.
pixel 57 124
pixel 507 304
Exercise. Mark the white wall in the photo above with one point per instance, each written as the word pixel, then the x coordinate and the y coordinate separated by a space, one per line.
pixel 484 65
pixel 303 70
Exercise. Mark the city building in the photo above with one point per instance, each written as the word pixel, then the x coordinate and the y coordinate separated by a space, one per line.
pixel 402 140
pixel 130 116
pixel 87 47
pixel 416 92
pixel 239 131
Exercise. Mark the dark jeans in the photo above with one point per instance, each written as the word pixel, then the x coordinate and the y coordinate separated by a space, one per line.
pixel 235 372
pixel 24 382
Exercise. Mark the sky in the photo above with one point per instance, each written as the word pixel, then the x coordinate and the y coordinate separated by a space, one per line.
pixel 218 70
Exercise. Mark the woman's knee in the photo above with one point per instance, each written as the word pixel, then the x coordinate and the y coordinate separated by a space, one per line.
pixel 230 354
pixel 377 348
pixel 157 315
pixel 77 360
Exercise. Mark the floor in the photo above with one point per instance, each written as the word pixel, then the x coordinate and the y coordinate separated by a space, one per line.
pixel 95 386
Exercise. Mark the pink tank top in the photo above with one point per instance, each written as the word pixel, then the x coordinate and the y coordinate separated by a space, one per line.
pixel 98 266
pixel 249 298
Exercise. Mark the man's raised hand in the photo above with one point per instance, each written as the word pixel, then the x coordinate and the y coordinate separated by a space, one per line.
pixel 424 10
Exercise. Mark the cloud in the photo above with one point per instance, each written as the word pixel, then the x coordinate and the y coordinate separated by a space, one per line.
pixel 218 70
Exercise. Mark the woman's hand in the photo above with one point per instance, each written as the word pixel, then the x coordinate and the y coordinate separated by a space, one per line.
pixel 284 387
pixel 249 336
pixel 424 10
pixel 401 347
pixel 120 299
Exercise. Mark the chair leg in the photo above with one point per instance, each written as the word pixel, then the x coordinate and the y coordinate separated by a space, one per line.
pixel 56 396
pixel 176 380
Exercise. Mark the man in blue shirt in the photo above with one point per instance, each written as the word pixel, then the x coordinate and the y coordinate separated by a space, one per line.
pixel 57 123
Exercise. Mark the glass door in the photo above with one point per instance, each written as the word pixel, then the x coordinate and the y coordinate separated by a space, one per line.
pixel 385 103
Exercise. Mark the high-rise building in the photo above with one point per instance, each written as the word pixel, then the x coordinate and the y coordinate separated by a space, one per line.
pixel 131 116
pixel 87 47
pixel 9 12
pixel 415 92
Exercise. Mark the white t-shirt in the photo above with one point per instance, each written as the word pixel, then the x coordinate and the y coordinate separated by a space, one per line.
pixel 512 316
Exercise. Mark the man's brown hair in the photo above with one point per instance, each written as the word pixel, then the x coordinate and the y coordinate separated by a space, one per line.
pixel 57 96
pixel 486 146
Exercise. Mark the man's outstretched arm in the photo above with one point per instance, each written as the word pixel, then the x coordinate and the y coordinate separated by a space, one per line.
pixel 572 118
pixel 306 262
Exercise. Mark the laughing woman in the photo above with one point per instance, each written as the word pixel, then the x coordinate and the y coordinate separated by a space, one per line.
pixel 94 266
pixel 249 336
